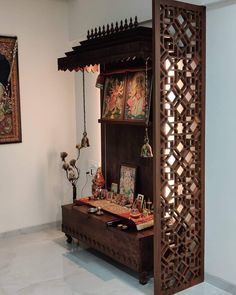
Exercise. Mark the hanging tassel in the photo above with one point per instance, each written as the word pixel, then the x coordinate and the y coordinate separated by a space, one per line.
pixel 146 150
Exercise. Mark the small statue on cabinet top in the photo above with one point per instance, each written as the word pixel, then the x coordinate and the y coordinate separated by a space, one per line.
pixel 98 183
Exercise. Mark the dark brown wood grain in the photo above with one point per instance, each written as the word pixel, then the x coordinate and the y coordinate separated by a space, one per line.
pixel 179 119
pixel 132 249
pixel 156 144
pixel 122 144
pixel 110 48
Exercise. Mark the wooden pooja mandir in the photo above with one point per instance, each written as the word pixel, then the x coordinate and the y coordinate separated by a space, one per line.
pixel 174 178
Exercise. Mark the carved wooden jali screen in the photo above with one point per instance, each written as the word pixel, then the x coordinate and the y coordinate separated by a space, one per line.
pixel 180 101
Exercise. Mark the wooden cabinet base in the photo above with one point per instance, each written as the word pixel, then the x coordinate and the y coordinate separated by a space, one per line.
pixel 132 249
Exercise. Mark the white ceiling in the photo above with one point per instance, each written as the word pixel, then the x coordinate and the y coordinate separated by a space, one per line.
pixel 211 4
pixel 207 2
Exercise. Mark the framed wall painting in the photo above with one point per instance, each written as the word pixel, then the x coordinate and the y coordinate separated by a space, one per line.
pixel 128 181
pixel 137 103
pixel 10 121
pixel 114 97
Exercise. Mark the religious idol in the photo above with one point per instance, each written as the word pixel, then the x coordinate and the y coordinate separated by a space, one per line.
pixel 98 183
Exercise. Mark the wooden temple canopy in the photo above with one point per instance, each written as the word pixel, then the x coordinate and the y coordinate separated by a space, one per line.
pixel 108 46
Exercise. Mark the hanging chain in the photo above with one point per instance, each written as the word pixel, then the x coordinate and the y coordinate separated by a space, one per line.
pixel 146 99
pixel 146 90
pixel 84 102
pixel 146 150
pixel 85 140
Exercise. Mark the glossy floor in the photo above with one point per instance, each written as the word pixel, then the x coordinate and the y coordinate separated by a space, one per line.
pixel 42 263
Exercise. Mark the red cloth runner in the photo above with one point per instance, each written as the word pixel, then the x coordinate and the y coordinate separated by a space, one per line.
pixel 121 211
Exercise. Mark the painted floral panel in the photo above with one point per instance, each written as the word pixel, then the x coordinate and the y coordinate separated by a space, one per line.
pixel 114 96
pixel 137 104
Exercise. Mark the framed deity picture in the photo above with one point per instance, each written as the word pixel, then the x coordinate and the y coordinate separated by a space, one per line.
pixel 114 97
pixel 137 102
pixel 10 121
pixel 128 181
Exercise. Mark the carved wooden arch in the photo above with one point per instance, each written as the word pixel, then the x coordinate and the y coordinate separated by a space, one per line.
pixel 179 34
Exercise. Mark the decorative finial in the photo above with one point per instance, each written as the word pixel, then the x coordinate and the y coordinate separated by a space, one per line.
pixel 131 23
pixel 112 28
pixel 103 30
pixel 116 27
pixel 99 32
pixel 108 29
pixel 126 24
pixel 88 35
pixel 96 33
pixel 121 25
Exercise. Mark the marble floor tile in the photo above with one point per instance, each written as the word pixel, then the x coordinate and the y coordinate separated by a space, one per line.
pixel 203 289
pixel 42 263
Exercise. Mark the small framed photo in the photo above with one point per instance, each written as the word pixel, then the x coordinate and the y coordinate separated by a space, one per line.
pixel 128 181
pixel 114 187
pixel 114 97
pixel 137 105
pixel 139 202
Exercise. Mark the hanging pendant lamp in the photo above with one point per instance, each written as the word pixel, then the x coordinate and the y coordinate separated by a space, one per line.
pixel 146 150
pixel 84 140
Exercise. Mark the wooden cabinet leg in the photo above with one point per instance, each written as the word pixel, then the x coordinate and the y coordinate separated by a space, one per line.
pixel 69 238
pixel 143 278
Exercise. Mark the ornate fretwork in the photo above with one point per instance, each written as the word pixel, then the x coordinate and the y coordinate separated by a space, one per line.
pixel 182 125
pixel 112 29
pixel 89 240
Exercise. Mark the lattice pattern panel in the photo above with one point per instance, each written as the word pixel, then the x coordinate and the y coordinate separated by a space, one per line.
pixel 182 113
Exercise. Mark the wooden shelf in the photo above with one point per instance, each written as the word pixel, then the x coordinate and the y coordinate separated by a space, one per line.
pixel 122 122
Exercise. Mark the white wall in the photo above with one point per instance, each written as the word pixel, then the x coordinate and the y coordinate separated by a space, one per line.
pixel 221 142
pixel 32 186
pixel 88 14
pixel 90 156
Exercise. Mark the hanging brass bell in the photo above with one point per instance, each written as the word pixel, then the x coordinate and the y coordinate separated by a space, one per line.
pixel 85 141
pixel 146 150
